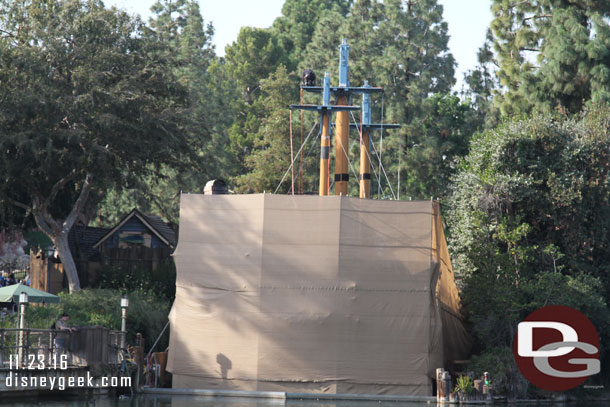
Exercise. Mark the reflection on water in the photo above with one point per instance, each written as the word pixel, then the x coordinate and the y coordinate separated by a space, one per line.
pixel 200 401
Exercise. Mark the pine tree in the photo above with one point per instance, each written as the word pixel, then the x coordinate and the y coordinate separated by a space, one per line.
pixel 270 155
pixel 482 83
pixel 256 53
pixel 298 22
pixel 552 54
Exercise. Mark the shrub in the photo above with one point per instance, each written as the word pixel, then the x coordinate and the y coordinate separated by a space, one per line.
pixel 503 372
pixel 529 221
pixel 464 384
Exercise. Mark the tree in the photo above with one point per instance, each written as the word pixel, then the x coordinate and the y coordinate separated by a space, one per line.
pixel 529 223
pixel 87 96
pixel 298 22
pixel 430 161
pixel 256 54
pixel 482 84
pixel 153 193
pixel 180 26
pixel 552 54
pixel 270 156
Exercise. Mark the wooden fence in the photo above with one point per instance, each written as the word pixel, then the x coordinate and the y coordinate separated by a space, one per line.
pixel 91 346
pixel 134 257
pixel 45 273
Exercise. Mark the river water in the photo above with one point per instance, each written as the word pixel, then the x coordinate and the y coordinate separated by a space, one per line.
pixel 198 401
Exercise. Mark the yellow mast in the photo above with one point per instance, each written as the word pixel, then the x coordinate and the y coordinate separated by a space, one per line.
pixel 365 165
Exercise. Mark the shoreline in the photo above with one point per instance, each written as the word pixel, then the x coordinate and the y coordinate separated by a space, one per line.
pixel 345 397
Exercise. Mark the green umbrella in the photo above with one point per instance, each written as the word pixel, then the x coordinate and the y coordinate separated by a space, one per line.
pixel 12 292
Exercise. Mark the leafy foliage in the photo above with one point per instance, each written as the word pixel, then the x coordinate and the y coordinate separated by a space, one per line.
pixel 36 240
pixel 270 156
pixel 482 83
pixel 254 55
pixel 180 26
pixel 530 222
pixel 500 363
pixel 299 19
pixel 430 160
pixel 464 384
pixel 81 87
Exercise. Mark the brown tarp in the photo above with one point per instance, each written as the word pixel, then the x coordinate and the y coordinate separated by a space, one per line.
pixel 312 294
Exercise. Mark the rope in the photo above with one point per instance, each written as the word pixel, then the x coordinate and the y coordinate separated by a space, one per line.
pixel 291 156
pixel 312 145
pixel 292 163
pixel 381 146
pixel 383 169
pixel 380 165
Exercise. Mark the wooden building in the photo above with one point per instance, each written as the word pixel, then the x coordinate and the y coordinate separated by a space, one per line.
pixel 137 241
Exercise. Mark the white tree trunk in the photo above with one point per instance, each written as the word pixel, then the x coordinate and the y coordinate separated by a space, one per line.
pixel 67 261
pixel 58 231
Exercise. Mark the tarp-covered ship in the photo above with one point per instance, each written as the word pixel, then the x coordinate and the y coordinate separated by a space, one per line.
pixel 312 294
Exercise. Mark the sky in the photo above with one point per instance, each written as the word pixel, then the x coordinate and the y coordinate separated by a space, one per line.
pixel 467 19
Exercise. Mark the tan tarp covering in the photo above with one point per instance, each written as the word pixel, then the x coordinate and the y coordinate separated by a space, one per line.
pixel 312 294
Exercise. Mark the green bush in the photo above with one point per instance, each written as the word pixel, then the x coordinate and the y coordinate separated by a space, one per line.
pixel 464 384
pixel 161 281
pixel 504 375
pixel 529 221
pixel 37 316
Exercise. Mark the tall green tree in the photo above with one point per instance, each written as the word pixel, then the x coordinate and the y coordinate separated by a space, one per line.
pixel 298 22
pixel 429 161
pixel 482 84
pixel 270 155
pixel 256 54
pixel 179 25
pixel 552 54
pixel 87 96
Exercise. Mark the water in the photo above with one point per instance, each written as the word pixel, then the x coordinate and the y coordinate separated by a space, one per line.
pixel 200 401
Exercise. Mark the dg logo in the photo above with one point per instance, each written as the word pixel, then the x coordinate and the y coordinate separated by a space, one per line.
pixel 556 348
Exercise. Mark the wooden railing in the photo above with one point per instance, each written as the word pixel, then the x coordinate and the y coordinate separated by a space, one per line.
pixel 91 346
